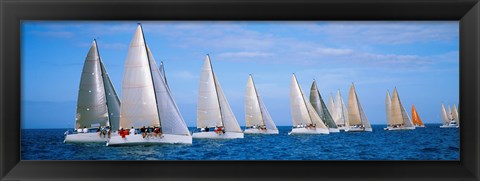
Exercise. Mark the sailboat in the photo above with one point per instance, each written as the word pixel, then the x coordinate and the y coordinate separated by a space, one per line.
pixel 304 117
pixel 147 101
pixel 416 118
pixel 258 120
pixel 215 118
pixel 398 119
pixel 447 121
pixel 340 112
pixel 455 114
pixel 357 119
pixel 98 104
pixel 321 109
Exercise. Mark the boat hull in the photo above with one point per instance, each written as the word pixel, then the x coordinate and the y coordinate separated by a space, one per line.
pixel 333 130
pixel 398 129
pixel 213 135
pixel 449 126
pixel 85 138
pixel 258 131
pixel 137 139
pixel 422 126
pixel 353 129
pixel 308 131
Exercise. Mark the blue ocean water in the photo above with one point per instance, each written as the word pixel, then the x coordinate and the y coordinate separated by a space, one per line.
pixel 430 143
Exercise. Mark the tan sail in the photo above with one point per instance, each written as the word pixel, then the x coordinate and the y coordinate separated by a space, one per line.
pixel 399 115
pixel 356 116
pixel 353 108
pixel 416 118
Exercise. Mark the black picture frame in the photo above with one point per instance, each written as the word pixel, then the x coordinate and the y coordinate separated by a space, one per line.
pixel 12 12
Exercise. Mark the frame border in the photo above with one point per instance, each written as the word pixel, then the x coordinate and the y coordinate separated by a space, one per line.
pixel 12 12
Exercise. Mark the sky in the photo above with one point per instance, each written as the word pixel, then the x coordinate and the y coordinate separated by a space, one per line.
pixel 419 58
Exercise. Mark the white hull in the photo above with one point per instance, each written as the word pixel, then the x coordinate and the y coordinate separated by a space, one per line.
pixel 334 130
pixel 258 131
pixel 397 129
pixel 449 126
pixel 422 126
pixel 139 140
pixel 308 131
pixel 85 138
pixel 213 135
pixel 353 129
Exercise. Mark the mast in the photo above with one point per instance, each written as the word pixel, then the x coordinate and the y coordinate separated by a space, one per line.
pixel 303 98
pixel 216 91
pixel 258 100
pixel 151 75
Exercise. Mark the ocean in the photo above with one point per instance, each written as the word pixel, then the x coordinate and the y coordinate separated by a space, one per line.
pixel 430 143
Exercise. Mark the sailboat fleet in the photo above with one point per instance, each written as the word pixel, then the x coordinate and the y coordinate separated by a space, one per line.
pixel 148 113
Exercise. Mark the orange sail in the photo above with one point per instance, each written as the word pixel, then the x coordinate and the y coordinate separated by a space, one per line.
pixel 415 118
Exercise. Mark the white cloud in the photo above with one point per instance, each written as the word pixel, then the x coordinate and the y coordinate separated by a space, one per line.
pixel 244 54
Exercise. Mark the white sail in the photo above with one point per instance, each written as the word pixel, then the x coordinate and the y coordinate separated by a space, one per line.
pixel 267 119
pixel 341 111
pixel 229 121
pixel 302 113
pixel 255 111
pixel 213 108
pixel 171 119
pixel 449 113
pixel 445 119
pixel 139 102
pixel 455 114
pixel 318 104
pixel 92 103
pixel 208 108
pixel 356 115
pixel 331 107
pixel 399 115
pixel 113 102
pixel 253 114
pixel 388 109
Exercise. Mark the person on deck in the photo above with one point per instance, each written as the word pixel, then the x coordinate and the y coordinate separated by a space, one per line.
pixel 143 130
pixel 132 131
pixel 85 130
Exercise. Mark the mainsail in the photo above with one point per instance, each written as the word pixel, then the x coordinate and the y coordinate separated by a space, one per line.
pixel 213 108
pixel 331 106
pixel 398 114
pixel 255 111
pixel 302 113
pixel 320 107
pixel 146 99
pixel 341 112
pixel 356 116
pixel 455 114
pixel 388 109
pixel 449 113
pixel 445 119
pixel 97 103
pixel 416 118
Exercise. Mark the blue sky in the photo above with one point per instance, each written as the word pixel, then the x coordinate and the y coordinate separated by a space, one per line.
pixel 420 58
